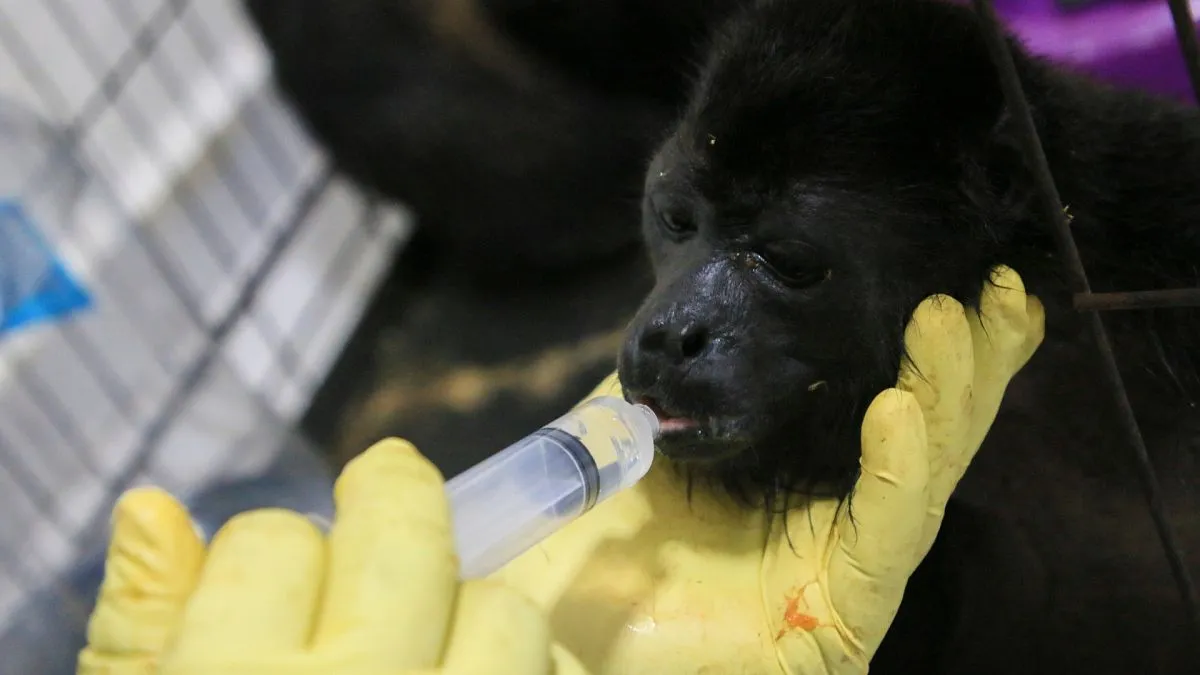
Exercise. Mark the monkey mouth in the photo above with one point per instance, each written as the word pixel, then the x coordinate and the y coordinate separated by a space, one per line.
pixel 692 438
pixel 669 422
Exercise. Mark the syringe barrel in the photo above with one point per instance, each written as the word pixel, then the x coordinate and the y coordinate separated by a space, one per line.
pixel 508 503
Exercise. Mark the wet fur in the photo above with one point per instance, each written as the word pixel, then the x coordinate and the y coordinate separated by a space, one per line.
pixel 875 132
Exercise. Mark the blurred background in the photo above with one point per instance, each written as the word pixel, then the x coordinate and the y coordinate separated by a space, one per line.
pixel 241 240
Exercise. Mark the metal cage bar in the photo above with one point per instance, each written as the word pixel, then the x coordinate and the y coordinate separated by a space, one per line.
pixel 1185 34
pixel 1056 218
pixel 1172 298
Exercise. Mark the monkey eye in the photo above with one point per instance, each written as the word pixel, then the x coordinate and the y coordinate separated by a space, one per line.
pixel 796 266
pixel 676 222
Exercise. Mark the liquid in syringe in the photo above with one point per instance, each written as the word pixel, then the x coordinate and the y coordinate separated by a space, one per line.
pixel 508 503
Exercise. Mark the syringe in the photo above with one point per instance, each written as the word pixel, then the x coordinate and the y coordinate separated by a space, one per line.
pixel 508 503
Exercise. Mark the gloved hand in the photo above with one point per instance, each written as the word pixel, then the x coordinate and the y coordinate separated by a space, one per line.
pixel 662 578
pixel 845 579
pixel 273 596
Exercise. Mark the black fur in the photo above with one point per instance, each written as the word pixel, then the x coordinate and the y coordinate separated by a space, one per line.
pixel 840 160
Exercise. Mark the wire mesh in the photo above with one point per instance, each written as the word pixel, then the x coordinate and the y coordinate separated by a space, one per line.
pixel 218 266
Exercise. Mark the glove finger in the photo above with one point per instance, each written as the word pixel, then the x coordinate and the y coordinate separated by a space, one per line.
pixel 1005 332
pixel 1037 329
pixel 392 568
pixel 1008 320
pixel 497 631
pixel 153 562
pixel 939 372
pixel 873 558
pixel 258 590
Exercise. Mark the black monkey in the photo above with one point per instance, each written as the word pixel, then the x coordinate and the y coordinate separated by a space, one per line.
pixel 517 131
pixel 837 162
pixel 840 160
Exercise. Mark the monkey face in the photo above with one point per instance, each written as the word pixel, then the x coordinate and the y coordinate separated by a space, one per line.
pixel 768 332
pixel 817 189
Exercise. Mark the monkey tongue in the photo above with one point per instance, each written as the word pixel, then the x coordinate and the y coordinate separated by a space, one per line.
pixel 668 423
pixel 674 425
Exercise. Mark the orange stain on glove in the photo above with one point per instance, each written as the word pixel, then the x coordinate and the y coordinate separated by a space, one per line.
pixel 793 617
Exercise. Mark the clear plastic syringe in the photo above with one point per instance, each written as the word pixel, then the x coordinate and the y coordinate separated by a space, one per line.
pixel 506 504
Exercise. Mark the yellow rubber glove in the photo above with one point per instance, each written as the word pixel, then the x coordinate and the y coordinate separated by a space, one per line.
pixel 273 596
pixel 847 579
pixel 663 579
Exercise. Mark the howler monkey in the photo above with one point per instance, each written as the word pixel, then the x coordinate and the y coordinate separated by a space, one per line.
pixel 834 162
pixel 840 160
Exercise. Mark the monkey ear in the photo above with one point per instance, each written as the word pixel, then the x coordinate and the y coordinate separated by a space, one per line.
pixel 996 177
pixel 976 97
pixel 957 52
pixel 987 140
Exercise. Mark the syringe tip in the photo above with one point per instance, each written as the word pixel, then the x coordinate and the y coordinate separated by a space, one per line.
pixel 651 419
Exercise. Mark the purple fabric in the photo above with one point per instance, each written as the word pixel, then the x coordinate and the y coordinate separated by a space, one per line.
pixel 1125 42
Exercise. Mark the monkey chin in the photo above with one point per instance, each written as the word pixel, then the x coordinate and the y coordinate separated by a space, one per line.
pixel 693 443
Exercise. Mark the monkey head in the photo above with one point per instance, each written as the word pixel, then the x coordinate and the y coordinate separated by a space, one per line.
pixel 837 163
